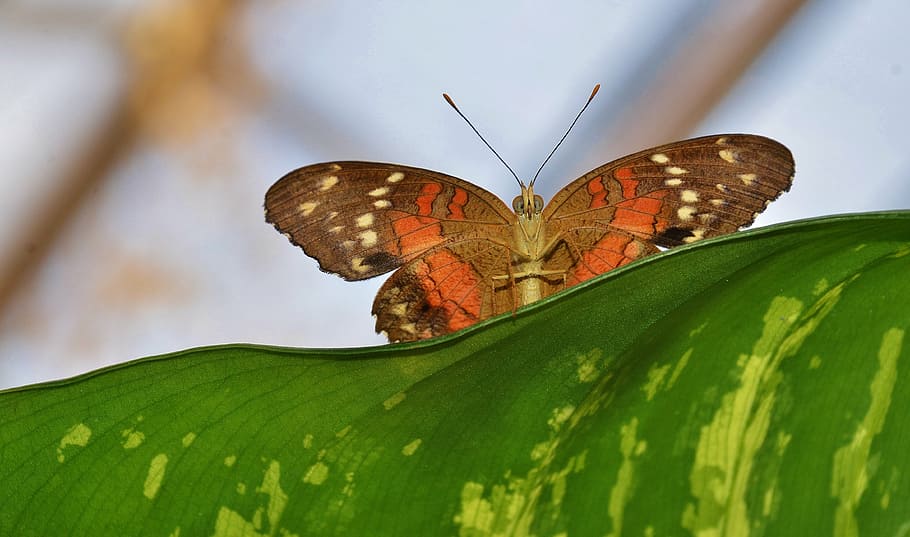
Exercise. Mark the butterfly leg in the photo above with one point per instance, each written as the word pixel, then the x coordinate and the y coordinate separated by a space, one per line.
pixel 562 273
pixel 529 286
pixel 513 288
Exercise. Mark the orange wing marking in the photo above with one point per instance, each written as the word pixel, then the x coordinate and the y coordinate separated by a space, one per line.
pixel 629 185
pixel 598 193
pixel 623 173
pixel 418 232
pixel 456 207
pixel 428 195
pixel 451 285
pixel 639 215
pixel 613 250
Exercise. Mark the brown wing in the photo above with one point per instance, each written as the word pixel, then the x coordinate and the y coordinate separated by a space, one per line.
pixel 668 195
pixel 362 219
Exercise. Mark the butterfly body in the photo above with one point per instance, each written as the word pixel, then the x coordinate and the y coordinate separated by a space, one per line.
pixel 462 255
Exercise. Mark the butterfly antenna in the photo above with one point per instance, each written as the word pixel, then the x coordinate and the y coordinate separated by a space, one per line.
pixel 482 139
pixel 580 112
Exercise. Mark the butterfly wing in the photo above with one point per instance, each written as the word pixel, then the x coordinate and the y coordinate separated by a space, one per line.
pixel 359 220
pixel 448 289
pixel 668 195
pixel 362 219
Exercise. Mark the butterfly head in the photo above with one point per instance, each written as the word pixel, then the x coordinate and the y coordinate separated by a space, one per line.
pixel 528 204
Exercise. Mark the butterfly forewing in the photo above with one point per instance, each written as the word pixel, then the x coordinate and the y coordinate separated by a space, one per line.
pixel 362 219
pixel 679 192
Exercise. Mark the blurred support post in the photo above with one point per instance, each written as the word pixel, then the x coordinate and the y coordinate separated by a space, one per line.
pixel 698 75
pixel 171 53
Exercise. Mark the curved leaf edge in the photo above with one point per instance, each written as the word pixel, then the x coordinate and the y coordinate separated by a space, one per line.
pixel 377 351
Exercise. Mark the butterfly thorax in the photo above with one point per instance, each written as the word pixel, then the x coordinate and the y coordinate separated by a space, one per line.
pixel 529 245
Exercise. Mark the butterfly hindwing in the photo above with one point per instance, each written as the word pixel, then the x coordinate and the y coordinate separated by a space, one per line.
pixel 362 219
pixel 445 290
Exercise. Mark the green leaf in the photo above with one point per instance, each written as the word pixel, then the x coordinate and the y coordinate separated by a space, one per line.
pixel 751 385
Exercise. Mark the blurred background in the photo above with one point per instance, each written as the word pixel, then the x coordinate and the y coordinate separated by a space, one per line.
pixel 138 138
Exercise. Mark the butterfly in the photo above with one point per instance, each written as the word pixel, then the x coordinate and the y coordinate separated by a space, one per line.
pixel 461 255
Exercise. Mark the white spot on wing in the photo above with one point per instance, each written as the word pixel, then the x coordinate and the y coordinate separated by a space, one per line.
pixel 685 213
pixel 334 167
pixel 727 155
pixel 377 192
pixel 675 170
pixel 307 207
pixel 358 266
pixel 673 182
pixel 717 202
pixel 721 141
pixel 368 238
pixel 721 187
pixel 409 328
pixel 747 178
pixel 382 204
pixel 697 235
pixel 688 196
pixel 399 309
pixel 660 158
pixel 328 182
pixel 365 220
pixel 336 229
pixel 395 177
